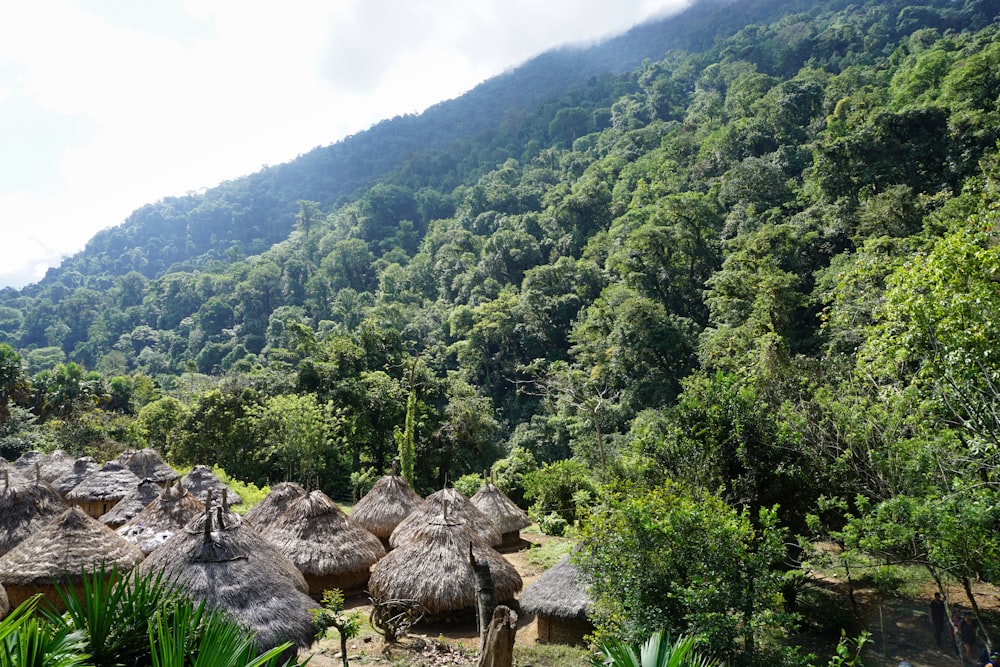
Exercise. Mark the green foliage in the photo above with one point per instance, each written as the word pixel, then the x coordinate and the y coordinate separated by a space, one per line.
pixel 469 484
pixel 657 651
pixel 555 489
pixel 332 615
pixel 552 524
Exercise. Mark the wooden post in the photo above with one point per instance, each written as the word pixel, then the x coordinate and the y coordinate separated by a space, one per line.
pixel 486 598
pixel 499 649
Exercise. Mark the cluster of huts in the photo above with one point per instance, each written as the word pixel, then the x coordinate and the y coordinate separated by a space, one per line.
pixel 60 516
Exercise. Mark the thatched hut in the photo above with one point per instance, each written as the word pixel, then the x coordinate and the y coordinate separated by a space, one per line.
pixel 274 504
pixel 560 603
pixel 148 464
pixel 433 568
pixel 329 549
pixel 202 482
pixel 55 464
pixel 459 509
pixel 501 510
pixel 24 508
pixel 59 553
pixel 222 561
pixel 145 492
pixel 103 488
pixel 167 514
pixel 82 469
pixel 387 503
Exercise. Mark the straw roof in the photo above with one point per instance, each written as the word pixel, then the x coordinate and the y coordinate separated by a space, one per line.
pixel 273 504
pixel 63 548
pixel 111 482
pixel 224 562
pixel 501 510
pixel 145 492
pixel 56 464
pixel 323 542
pixel 82 468
pixel 433 568
pixel 27 461
pixel 14 474
pixel 24 508
pixel 148 464
pixel 387 503
pixel 558 593
pixel 173 509
pixel 459 508
pixel 201 481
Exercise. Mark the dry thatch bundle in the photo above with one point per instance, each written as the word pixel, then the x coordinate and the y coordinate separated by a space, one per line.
pixel 103 488
pixel 501 510
pixel 224 562
pixel 82 469
pixel 433 568
pixel 144 493
pixel 59 552
pixel 329 549
pixel 560 601
pixel 202 482
pixel 273 504
pixel 24 508
pixel 148 464
pixel 459 508
pixel 387 503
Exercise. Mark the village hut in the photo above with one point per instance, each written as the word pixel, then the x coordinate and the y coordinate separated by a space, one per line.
pixel 145 492
pixel 387 503
pixel 103 488
pixel 56 464
pixel 26 463
pixel 459 508
pixel 219 559
pixel 434 569
pixel 560 603
pixel 82 469
pixel 24 508
pixel 329 549
pixel 13 473
pixel 202 482
pixel 59 553
pixel 501 510
pixel 274 504
pixel 148 464
pixel 167 514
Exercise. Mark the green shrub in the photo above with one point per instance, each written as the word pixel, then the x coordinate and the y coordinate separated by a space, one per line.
pixel 558 488
pixel 468 485
pixel 552 524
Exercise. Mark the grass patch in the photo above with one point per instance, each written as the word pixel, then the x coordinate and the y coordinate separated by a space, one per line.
pixel 548 554
pixel 550 655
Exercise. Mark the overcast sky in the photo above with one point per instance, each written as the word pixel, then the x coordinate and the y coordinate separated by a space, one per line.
pixel 106 105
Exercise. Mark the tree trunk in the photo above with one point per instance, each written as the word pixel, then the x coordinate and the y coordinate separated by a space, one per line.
pixel 486 599
pixel 499 648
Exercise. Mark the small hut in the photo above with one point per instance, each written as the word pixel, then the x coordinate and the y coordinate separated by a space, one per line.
pixel 222 561
pixel 167 514
pixel 560 603
pixel 56 464
pixel 501 510
pixel 387 503
pixel 144 493
pixel 103 488
pixel 148 464
pixel 202 482
pixel 329 549
pixel 82 469
pixel 459 509
pixel 24 508
pixel 274 504
pixel 59 553
pixel 433 568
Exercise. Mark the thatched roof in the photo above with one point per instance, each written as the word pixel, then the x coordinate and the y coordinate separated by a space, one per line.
pixel 221 560
pixel 148 464
pixel 56 464
pixel 319 538
pixel 273 504
pixel 63 548
pixel 111 482
pixel 433 568
pixel 500 509
pixel 145 492
pixel 82 468
pixel 201 481
pixel 24 508
pixel 387 503
pixel 459 508
pixel 26 463
pixel 558 593
pixel 173 509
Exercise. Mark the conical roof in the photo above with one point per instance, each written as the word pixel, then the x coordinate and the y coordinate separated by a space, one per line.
pixel 173 509
pixel 387 503
pixel 111 482
pixel 500 509
pixel 459 508
pixel 273 504
pixel 82 468
pixel 559 593
pixel 201 481
pixel 56 464
pixel 24 508
pixel 145 492
pixel 148 464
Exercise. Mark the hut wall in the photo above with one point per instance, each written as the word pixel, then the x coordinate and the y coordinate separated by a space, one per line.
pixel 511 541
pixel 18 594
pixel 95 509
pixel 351 583
pixel 562 631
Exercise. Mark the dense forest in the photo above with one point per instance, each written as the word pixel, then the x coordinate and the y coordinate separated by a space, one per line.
pixel 705 308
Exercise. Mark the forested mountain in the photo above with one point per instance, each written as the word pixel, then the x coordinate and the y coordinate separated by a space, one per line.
pixel 738 266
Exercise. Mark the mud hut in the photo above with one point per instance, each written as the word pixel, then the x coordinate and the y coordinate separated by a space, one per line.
pixel 202 482
pixel 97 493
pixel 433 568
pixel 148 464
pixel 59 553
pixel 145 492
pixel 387 503
pixel 560 603
pixel 82 469
pixel 329 549
pixel 501 510
pixel 459 509
pixel 274 504
pixel 24 508
pixel 167 514
pixel 224 562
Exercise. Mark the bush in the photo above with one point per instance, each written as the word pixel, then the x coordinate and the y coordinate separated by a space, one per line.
pixel 552 524
pixel 562 487
pixel 468 485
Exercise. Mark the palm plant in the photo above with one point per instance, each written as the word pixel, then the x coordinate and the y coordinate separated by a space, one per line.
pixel 26 641
pixel 657 651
